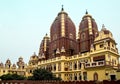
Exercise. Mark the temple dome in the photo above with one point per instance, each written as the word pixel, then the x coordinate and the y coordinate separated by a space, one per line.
pixel 88 21
pixel 88 30
pixel 104 33
pixel 62 34
pixel 44 46
pixel 62 26
pixel 34 56
pixel 8 61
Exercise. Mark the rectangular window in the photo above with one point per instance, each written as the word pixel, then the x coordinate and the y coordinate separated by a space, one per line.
pixel 80 76
pixel 59 67
pixel 70 76
pixel 59 75
pixel 101 46
pixel 85 75
pixel 3 71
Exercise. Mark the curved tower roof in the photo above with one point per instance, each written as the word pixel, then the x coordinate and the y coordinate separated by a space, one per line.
pixel 88 22
pixel 62 34
pixel 104 34
pixel 88 30
pixel 62 26
pixel 44 47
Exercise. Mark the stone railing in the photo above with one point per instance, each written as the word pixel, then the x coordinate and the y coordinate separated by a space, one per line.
pixel 99 64
pixel 94 64
pixel 52 60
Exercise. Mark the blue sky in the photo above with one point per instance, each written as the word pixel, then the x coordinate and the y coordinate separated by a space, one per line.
pixel 24 23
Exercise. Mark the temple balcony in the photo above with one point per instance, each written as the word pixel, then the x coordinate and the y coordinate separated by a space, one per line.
pixel 99 64
pixel 94 64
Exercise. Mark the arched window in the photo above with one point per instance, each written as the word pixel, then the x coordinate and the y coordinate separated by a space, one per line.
pixel 85 75
pixel 95 76
pixel 23 67
pixel 30 71
pixel 80 76
pixel 71 36
pixel 8 66
pixel 83 36
pixel 55 67
pixel 96 34
pixel 54 36
pixel 75 66
pixel 50 67
pixel 75 76
pixel 59 67
pixel 70 76
pixel 70 65
pixel 79 65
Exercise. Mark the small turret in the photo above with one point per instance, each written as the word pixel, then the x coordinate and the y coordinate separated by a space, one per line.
pixel 8 63
pixel 20 63
pixel 33 59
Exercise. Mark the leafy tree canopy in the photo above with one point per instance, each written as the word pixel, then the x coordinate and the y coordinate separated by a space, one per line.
pixel 12 77
pixel 42 74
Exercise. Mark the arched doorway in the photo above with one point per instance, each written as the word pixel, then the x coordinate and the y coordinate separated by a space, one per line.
pixel 95 76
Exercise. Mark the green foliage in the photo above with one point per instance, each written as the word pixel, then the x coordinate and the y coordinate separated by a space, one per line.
pixel 42 74
pixel 30 78
pixel 12 77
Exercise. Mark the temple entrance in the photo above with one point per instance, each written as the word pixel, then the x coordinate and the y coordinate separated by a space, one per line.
pixel 95 76
pixel 113 77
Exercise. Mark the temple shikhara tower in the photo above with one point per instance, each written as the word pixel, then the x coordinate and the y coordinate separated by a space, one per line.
pixel 62 38
pixel 88 30
pixel 92 55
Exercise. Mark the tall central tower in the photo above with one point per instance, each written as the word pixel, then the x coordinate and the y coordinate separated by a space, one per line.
pixel 62 36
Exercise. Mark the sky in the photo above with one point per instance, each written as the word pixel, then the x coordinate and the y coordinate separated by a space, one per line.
pixel 24 23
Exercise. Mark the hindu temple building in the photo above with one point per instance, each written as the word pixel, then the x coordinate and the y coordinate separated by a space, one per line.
pixel 91 56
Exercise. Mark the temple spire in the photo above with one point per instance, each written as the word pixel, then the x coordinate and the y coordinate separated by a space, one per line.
pixel 86 12
pixel 103 27
pixel 62 8
pixel 34 53
pixel 46 34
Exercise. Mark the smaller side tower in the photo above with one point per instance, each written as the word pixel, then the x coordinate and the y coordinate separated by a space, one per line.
pixel 105 40
pixel 8 64
pixel 33 59
pixel 87 32
pixel 43 50
pixel 20 63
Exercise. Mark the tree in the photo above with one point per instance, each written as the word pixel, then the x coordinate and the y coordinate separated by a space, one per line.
pixel 42 74
pixel 12 77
